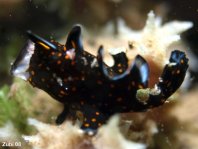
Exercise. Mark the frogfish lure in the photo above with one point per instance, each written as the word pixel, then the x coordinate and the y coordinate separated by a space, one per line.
pixel 89 89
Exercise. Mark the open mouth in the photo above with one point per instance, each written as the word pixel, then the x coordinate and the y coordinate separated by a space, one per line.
pixel 20 67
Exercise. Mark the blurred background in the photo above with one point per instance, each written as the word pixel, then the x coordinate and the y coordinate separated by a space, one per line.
pixel 52 19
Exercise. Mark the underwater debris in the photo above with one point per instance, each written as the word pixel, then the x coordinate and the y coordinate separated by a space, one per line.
pixel 71 136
